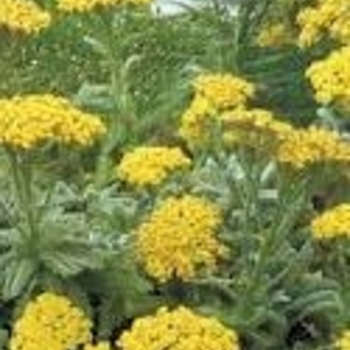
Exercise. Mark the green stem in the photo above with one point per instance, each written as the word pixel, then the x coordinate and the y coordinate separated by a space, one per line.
pixel 21 172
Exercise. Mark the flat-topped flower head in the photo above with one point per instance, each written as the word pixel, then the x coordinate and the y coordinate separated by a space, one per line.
pixel 325 18
pixel 27 122
pixel 253 128
pixel 82 6
pixel 103 345
pixel 178 329
pixel 330 77
pixel 303 148
pixel 343 342
pixel 50 322
pixel 178 239
pixel 23 16
pixel 150 166
pixel 333 223
pixel 223 91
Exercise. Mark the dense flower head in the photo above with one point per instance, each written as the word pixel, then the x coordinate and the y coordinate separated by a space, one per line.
pixel 223 91
pixel 29 121
pixel 178 329
pixel 178 239
pixel 197 121
pixel 253 128
pixel 103 345
pixel 274 35
pixel 330 17
pixel 214 94
pixel 330 77
pixel 313 146
pixel 332 223
pixel 150 166
pixel 343 342
pixel 50 322
pixel 90 5
pixel 23 16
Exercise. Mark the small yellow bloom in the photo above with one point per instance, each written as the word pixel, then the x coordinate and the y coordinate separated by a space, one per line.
pixel 23 16
pixel 50 322
pixel 343 342
pixel 332 223
pixel 253 128
pixel 150 166
pixel 99 346
pixel 313 146
pixel 330 77
pixel 179 329
pixel 27 122
pixel 223 90
pixel 326 17
pixel 274 35
pixel 178 239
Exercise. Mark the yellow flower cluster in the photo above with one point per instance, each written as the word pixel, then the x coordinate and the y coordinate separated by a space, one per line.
pixel 274 35
pixel 178 239
pixel 29 121
pixel 149 166
pixel 50 322
pixel 90 5
pixel 98 346
pixel 332 223
pixel 178 329
pixel 214 93
pixel 253 128
pixel 307 147
pixel 343 342
pixel 23 16
pixel 326 17
pixel 223 91
pixel 330 77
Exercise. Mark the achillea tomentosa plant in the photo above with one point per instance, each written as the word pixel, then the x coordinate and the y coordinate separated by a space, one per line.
pixel 226 228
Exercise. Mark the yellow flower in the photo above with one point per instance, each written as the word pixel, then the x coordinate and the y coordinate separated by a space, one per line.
pixel 326 17
pixel 99 346
pixel 274 35
pixel 332 223
pixel 149 166
pixel 214 94
pixel 23 16
pixel 50 322
pixel 312 146
pixel 197 121
pixel 343 342
pixel 178 329
pixel 90 5
pixel 330 77
pixel 29 121
pixel 178 239
pixel 253 128
pixel 223 90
